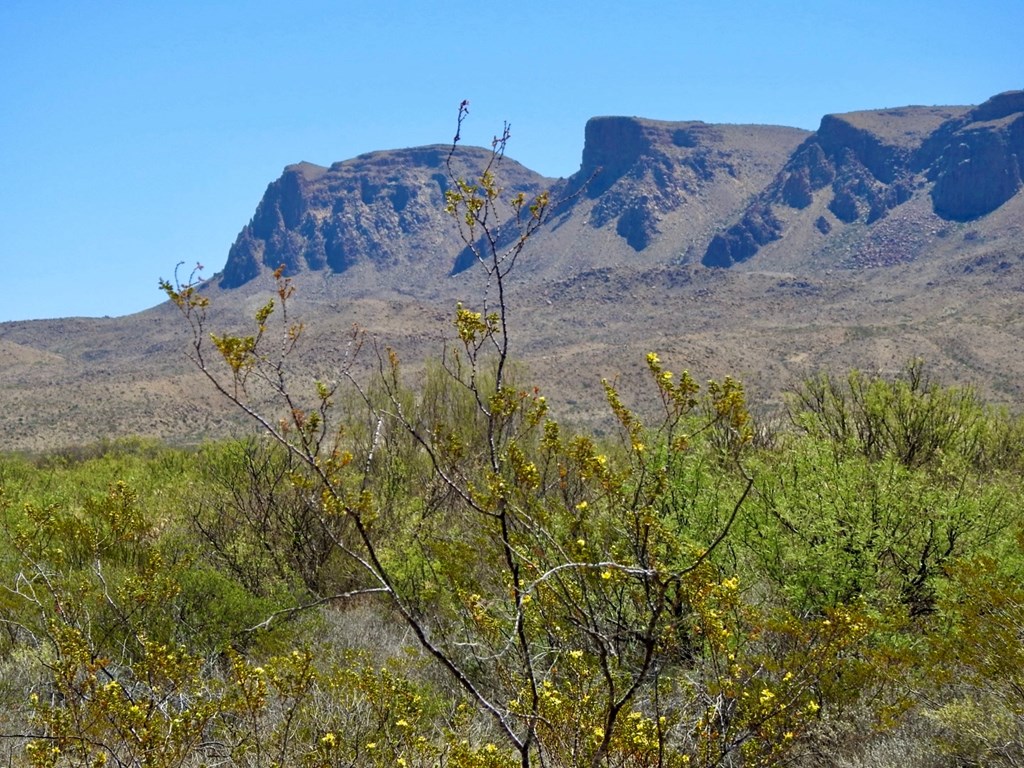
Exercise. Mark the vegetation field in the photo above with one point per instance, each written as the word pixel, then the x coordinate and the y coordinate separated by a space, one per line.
pixel 703 590
pixel 442 574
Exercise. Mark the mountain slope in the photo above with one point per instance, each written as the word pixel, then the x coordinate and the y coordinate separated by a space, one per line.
pixel 860 167
pixel 383 210
pixel 884 235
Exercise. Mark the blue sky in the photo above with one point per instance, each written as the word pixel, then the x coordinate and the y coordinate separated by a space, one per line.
pixel 137 134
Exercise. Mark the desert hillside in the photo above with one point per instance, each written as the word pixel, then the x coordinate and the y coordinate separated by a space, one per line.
pixel 764 252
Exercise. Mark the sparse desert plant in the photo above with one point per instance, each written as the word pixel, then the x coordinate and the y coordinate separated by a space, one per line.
pixel 979 657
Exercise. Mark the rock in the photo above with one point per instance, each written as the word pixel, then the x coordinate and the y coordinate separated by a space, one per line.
pixel 611 146
pixel 870 162
pixel 977 162
pixel 999 106
pixel 385 209
pixel 757 227
pixel 637 225
pixel 976 175
pixel 807 171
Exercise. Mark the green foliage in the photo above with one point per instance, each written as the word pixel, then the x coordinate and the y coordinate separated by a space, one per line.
pixel 152 710
pixel 258 525
pixel 892 482
pixel 979 654
pixel 615 603
pixel 832 527
pixel 444 575
pixel 910 417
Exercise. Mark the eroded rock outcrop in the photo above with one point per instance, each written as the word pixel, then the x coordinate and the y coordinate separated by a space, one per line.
pixel 757 227
pixel 977 162
pixel 385 209
pixel 860 166
pixel 641 170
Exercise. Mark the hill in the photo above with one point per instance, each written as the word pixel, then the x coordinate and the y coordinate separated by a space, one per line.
pixel 764 252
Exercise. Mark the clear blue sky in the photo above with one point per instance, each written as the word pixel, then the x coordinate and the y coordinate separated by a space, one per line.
pixel 137 134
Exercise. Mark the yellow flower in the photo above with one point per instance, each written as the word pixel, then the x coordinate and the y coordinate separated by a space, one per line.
pixel 328 740
pixel 606 575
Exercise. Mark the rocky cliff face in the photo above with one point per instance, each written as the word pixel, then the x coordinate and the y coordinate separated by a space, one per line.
pixel 977 161
pixel 666 190
pixel 384 209
pixel 640 170
pixel 645 185
pixel 860 166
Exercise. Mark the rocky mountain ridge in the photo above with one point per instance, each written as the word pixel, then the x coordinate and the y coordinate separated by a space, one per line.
pixel 764 252
pixel 665 189
pixel 382 208
pixel 866 164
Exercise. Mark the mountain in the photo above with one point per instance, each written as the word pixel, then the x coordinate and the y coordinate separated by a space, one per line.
pixel 653 184
pixel 862 166
pixel 382 209
pixel 764 252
